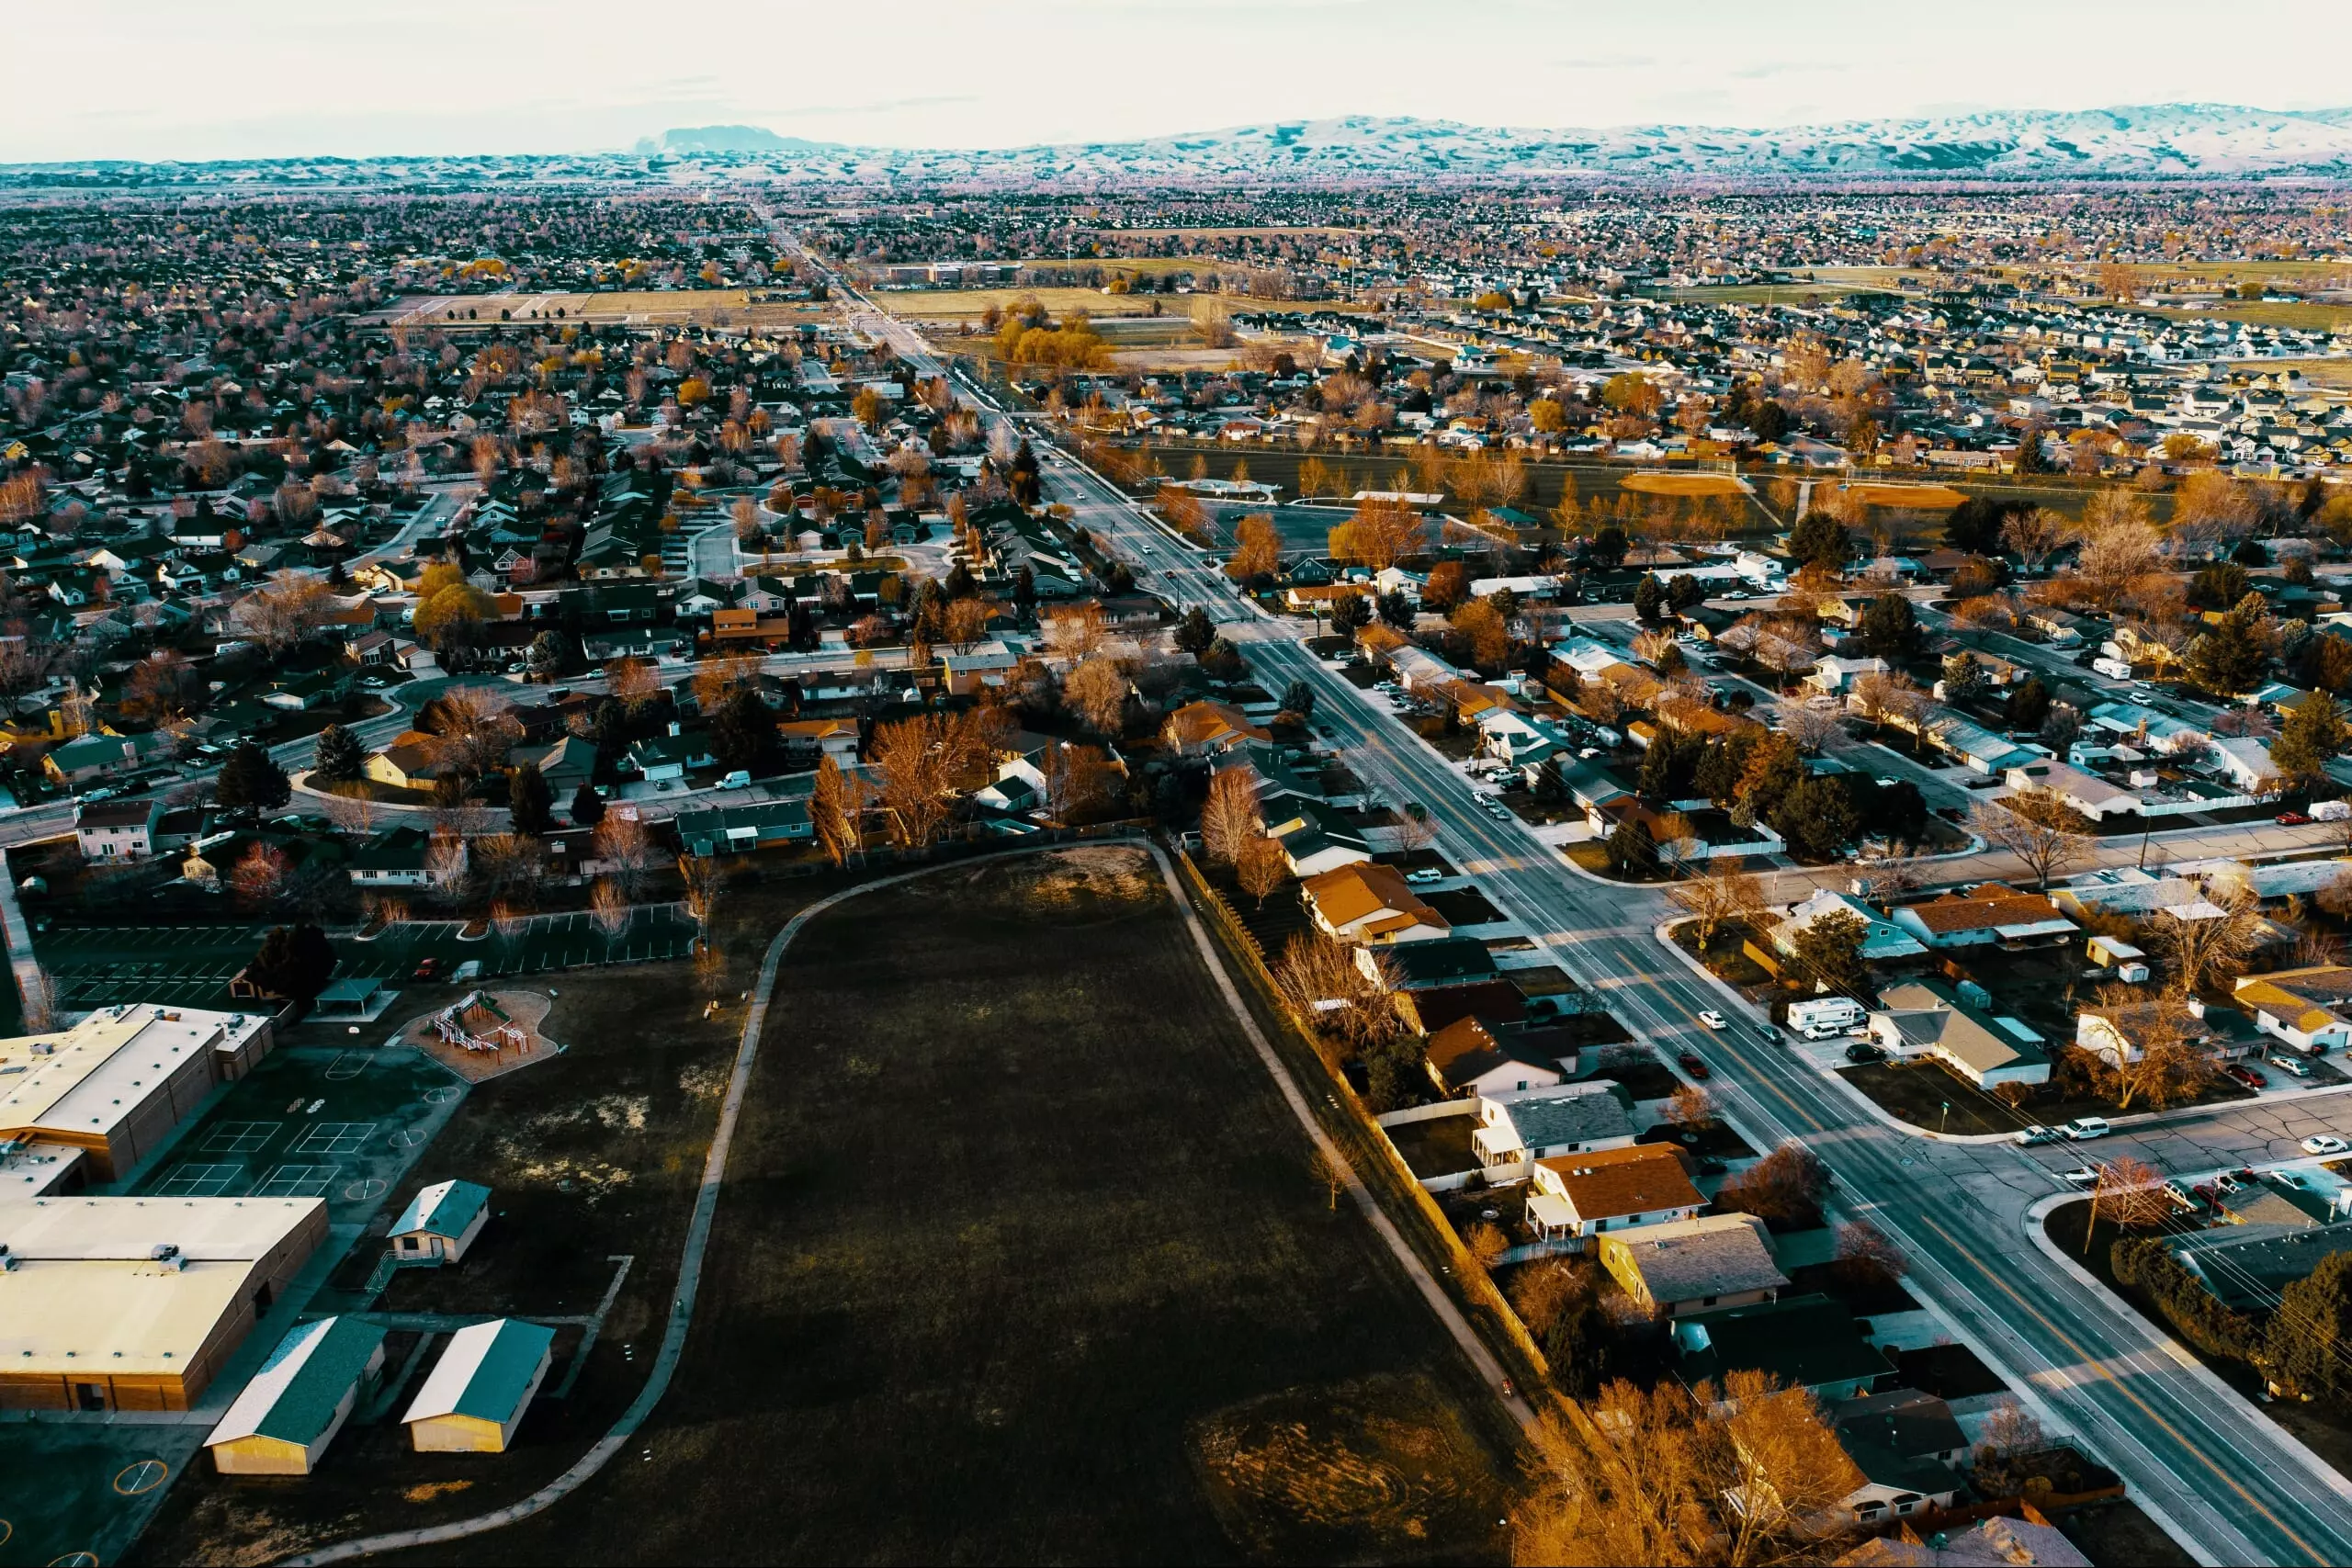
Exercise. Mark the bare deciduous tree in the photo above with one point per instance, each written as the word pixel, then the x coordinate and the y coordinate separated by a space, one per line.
pixel 2036 826
pixel 1717 897
pixel 1230 817
pixel 626 851
pixel 1260 868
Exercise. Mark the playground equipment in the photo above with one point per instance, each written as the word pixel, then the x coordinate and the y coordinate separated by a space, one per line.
pixel 476 1024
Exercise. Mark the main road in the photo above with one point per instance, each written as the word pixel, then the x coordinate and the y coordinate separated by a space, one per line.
pixel 2225 1479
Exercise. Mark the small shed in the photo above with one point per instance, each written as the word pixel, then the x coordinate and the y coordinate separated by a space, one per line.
pixel 288 1415
pixel 479 1389
pixel 441 1222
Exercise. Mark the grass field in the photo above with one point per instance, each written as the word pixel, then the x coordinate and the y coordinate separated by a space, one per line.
pixel 2302 315
pixel 651 306
pixel 1020 1258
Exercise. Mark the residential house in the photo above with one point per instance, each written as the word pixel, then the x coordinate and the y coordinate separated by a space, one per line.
pixel 1997 1542
pixel 1205 729
pixel 1882 940
pixel 1314 837
pixel 404 857
pixel 117 830
pixel 90 758
pixel 1926 1017
pixel 2245 762
pixel 1516 1128
pixel 1904 1446
pixel 1989 912
pixel 2124 890
pixel 805 740
pixel 412 760
pixel 1572 1197
pixel 1694 1265
pixel 1468 1057
pixel 2246 1266
pixel 2089 794
pixel 2310 1009
pixel 1835 674
pixel 740 829
pixel 1808 1342
pixel 1370 903
pixel 664 759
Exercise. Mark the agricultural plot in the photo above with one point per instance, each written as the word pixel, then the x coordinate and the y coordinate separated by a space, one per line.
pixel 1013 1206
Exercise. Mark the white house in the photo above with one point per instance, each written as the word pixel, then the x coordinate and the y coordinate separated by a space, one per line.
pixel 2245 762
pixel 2094 796
pixel 1515 1130
pixel 2310 1009
pixel 1836 674
pixel 1572 1197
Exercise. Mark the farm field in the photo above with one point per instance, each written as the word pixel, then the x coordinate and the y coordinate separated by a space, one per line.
pixel 1015 1217
pixel 647 306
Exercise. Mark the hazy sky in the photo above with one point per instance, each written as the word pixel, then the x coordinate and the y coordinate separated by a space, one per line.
pixel 238 78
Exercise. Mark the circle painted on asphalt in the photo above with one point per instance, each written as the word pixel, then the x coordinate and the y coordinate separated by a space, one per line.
pixel 441 1095
pixel 407 1138
pixel 7 1530
pixel 360 1191
pixel 144 1476
pixel 75 1560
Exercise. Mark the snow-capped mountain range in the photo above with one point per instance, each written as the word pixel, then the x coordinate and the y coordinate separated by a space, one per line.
pixel 2159 141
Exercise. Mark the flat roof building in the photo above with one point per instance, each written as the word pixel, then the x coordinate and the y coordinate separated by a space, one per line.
pixel 133 1303
pixel 117 1082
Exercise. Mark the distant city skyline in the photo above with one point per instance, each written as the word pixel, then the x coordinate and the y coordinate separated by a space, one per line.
pixel 272 78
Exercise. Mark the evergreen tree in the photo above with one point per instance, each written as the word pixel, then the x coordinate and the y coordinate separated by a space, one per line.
pixel 1631 851
pixel 1889 625
pixel 251 782
pixel 1649 598
pixel 337 756
pixel 2310 1335
pixel 587 806
pixel 742 733
pixel 1195 634
pixel 529 802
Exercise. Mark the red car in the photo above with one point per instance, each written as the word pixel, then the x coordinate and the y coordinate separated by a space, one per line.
pixel 2291 819
pixel 1695 1067
pixel 2240 1074
pixel 428 970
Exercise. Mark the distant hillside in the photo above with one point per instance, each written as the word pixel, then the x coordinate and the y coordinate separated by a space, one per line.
pixel 2163 141
pixel 723 138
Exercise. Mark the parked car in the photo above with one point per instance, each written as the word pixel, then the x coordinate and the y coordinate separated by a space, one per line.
pixel 430 969
pixel 2081 1175
pixel 2082 1129
pixel 2239 1073
pixel 2028 1137
pixel 2291 819
pixel 2324 1143
pixel 1860 1051
pixel 1424 877
pixel 2291 1065
pixel 1695 1067
pixel 1714 1020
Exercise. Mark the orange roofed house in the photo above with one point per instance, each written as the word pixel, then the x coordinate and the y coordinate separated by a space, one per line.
pixel 1573 1197
pixel 1367 902
pixel 1204 730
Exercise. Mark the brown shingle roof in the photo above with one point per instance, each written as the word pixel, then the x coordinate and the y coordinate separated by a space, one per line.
pixel 1992 904
pixel 1640 1181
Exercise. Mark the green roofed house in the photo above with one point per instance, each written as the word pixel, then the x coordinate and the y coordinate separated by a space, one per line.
pixel 441 1222
pixel 479 1389
pixel 738 830
pixel 286 1417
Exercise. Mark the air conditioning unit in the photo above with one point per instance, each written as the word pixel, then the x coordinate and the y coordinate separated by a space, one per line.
pixel 166 1256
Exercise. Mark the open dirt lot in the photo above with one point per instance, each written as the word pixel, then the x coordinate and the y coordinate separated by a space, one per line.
pixel 1021 1258
pixel 1912 498
pixel 1681 484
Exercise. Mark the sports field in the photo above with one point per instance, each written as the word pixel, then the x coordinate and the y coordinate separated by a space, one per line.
pixel 1021 1258
pixel 1911 498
